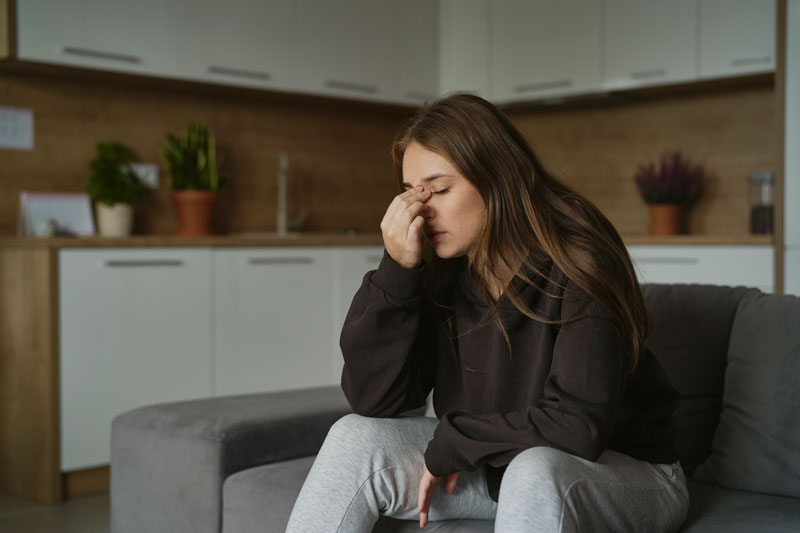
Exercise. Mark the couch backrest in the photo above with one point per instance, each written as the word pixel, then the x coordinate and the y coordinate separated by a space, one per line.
pixel 756 446
pixel 690 336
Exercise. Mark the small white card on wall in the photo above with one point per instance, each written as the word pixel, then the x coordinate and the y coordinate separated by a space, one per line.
pixel 16 128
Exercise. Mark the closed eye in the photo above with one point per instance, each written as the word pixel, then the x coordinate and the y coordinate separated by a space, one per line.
pixel 440 191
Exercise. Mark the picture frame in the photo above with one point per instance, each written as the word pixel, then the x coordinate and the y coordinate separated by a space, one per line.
pixel 55 215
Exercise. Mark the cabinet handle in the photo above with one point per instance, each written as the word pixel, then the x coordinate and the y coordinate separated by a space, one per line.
pixel 239 73
pixel 533 87
pixel 644 74
pixel 116 263
pixel 349 86
pixel 280 261
pixel 746 61
pixel 86 52
pixel 668 260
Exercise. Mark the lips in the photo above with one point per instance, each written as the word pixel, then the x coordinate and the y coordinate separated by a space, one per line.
pixel 435 235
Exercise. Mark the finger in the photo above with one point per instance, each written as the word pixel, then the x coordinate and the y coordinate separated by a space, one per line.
pixel 403 200
pixel 415 229
pixel 450 483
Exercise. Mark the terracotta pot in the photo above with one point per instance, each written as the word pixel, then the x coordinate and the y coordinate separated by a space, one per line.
pixel 114 220
pixel 665 219
pixel 194 210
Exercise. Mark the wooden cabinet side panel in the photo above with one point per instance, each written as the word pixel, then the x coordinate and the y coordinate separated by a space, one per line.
pixel 29 421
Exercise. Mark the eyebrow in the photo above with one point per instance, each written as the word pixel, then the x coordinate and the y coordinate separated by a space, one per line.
pixel 429 179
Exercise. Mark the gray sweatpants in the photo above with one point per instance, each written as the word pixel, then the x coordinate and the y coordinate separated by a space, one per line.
pixel 372 466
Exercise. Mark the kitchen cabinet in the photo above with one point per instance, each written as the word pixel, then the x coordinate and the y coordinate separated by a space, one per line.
pixel 751 266
pixel 239 42
pixel 464 46
pixel 737 37
pixel 791 163
pixel 542 48
pixel 418 47
pixel 347 48
pixel 648 42
pixel 113 35
pixel 135 329
pixel 274 320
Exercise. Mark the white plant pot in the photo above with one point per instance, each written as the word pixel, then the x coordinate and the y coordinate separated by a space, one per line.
pixel 114 220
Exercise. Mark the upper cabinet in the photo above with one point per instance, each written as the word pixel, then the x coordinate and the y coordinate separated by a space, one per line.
pixel 418 48
pixel 408 51
pixel 238 42
pixel 649 42
pixel 346 48
pixel 736 37
pixel 102 34
pixel 542 48
pixel 464 46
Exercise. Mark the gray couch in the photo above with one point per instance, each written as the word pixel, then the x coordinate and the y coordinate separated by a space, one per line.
pixel 236 464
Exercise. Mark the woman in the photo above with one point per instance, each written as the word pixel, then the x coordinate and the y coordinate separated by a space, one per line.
pixel 527 321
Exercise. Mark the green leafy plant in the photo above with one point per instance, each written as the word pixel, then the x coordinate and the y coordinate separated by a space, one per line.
pixel 111 178
pixel 674 181
pixel 192 159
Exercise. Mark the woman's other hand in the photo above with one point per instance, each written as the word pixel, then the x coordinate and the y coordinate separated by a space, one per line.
pixel 402 227
pixel 427 486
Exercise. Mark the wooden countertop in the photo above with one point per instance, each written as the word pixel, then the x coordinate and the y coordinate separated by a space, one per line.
pixel 324 239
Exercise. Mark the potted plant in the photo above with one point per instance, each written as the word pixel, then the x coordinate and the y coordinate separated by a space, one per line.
pixel 192 161
pixel 114 187
pixel 667 188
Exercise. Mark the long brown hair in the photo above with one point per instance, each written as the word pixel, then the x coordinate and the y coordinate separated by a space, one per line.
pixel 527 210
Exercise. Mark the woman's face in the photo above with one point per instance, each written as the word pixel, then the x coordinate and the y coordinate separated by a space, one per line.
pixel 454 213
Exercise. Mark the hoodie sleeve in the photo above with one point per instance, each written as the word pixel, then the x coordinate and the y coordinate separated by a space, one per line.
pixel 576 412
pixel 388 343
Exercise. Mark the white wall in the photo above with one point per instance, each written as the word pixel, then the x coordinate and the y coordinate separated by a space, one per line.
pixel 792 151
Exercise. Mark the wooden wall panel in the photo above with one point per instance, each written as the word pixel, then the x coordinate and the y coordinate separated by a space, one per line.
pixel 338 151
pixel 597 150
pixel 339 162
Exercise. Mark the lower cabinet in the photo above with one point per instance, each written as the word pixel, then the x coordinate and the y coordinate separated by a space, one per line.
pixel 134 328
pixel 144 326
pixel 274 319
pixel 750 266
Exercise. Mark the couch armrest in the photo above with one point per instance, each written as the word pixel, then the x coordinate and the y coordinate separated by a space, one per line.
pixel 169 461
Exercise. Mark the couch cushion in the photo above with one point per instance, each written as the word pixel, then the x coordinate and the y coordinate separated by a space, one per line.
pixel 261 499
pixel 757 444
pixel 718 510
pixel 691 330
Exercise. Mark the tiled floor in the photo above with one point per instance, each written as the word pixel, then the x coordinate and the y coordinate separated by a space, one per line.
pixel 87 514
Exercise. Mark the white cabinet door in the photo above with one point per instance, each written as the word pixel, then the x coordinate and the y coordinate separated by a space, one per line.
pixel 135 329
pixel 347 48
pixel 464 46
pixel 543 49
pixel 737 37
pixel 751 266
pixel 238 42
pixel 649 42
pixel 418 46
pixel 103 34
pixel 791 201
pixel 274 319
pixel 353 262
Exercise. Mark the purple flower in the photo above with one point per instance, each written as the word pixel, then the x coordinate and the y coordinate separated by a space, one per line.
pixel 674 181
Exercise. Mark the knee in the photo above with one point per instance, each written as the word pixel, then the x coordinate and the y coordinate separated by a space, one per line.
pixel 353 431
pixel 537 466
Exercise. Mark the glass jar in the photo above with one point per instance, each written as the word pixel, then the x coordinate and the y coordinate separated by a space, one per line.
pixel 761 202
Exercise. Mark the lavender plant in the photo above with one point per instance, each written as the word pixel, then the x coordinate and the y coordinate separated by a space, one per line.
pixel 674 181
